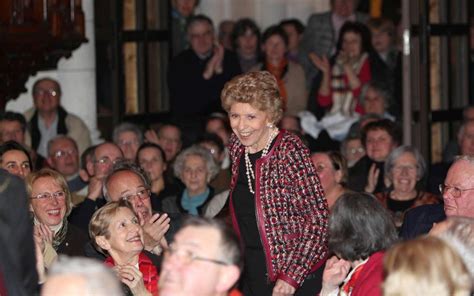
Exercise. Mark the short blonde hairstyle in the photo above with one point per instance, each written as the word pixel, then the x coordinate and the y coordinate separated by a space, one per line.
pixel 259 89
pixel 100 221
pixel 425 266
pixel 57 177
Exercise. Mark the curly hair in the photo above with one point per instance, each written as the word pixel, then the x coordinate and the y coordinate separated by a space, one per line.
pixel 211 165
pixel 259 89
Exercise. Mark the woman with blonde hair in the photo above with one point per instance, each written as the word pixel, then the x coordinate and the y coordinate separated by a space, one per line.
pixel 50 205
pixel 425 266
pixel 276 200
pixel 115 231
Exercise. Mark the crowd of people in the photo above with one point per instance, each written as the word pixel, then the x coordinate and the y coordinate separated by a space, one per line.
pixel 290 180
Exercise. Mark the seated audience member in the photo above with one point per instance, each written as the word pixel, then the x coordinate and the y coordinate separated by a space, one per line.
pixel 425 266
pixel 181 11
pixel 116 232
pixel 404 168
pixel 224 36
pixel 15 159
pixel 246 43
pixel 12 127
pixel 322 31
pixel 289 75
pixel 458 198
pixel 458 232
pixel 384 37
pixel 439 170
pixel 344 77
pixel 214 145
pixel 384 33
pixel 128 137
pixel 452 149
pixel 80 276
pixel 358 126
pixel 17 260
pixel 104 157
pixel 203 69
pixel 201 244
pixel 352 149
pixel 129 182
pixel 151 158
pixel 64 158
pixel 379 139
pixel 218 123
pixel 196 167
pixel 86 174
pixel 169 138
pixel 50 205
pixel 48 119
pixel 360 230
pixel 376 100
pixel 332 172
pixel 294 30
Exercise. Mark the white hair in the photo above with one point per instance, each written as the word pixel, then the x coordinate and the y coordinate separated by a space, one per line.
pixel 99 279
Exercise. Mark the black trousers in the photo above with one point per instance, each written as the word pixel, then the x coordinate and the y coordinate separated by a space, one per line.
pixel 254 281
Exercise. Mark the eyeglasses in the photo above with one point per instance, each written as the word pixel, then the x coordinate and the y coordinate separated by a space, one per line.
pixel 47 195
pixel 128 143
pixel 455 191
pixel 64 153
pixel 142 195
pixel 356 150
pixel 42 92
pixel 107 160
pixel 187 256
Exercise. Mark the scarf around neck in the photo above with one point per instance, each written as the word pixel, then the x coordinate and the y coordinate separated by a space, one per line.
pixel 191 204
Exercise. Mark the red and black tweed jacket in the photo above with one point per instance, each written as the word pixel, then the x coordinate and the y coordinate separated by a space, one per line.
pixel 291 211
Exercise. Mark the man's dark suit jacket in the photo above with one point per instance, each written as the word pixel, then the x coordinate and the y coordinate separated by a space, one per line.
pixel 420 220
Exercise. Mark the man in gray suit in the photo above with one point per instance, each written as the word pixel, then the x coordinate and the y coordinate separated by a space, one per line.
pixel 322 32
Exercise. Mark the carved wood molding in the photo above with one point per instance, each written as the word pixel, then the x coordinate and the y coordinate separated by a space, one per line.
pixel 34 35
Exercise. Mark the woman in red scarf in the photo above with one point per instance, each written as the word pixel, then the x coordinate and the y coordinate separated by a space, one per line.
pixel 290 75
pixel 115 231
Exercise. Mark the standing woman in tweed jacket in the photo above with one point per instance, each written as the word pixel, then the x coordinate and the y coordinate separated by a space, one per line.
pixel 276 201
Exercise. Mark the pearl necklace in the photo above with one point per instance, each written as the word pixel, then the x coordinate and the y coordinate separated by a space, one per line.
pixel 248 165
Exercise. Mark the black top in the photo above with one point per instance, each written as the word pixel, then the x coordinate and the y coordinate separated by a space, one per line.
pixel 399 205
pixel 244 205
pixel 190 93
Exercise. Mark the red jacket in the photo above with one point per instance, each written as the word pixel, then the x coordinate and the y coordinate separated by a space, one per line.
pixel 291 211
pixel 371 277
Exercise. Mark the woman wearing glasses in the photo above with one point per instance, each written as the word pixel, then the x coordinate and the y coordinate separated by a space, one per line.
pixel 405 168
pixel 50 205
pixel 115 231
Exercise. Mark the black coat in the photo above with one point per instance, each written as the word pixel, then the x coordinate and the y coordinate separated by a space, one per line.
pixel 17 251
pixel 419 220
pixel 190 93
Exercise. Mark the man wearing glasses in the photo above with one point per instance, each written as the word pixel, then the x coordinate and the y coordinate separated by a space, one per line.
pixel 458 195
pixel 203 259
pixel 105 156
pixel 129 182
pixel 63 156
pixel 48 119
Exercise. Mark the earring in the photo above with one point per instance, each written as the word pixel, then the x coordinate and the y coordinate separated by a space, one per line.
pixel 270 125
